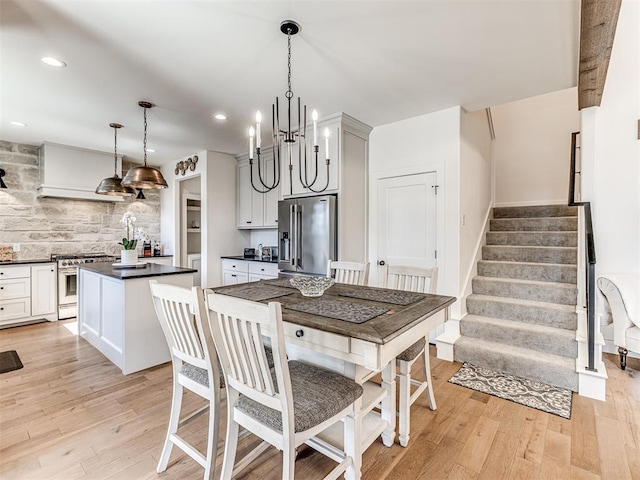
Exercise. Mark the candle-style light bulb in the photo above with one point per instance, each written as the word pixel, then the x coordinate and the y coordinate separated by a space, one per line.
pixel 326 142
pixel 258 120
pixel 314 115
pixel 251 133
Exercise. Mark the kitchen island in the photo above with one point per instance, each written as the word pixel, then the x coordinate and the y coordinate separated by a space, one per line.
pixel 116 314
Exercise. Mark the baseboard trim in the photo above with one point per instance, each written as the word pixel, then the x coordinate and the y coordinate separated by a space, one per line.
pixel 532 203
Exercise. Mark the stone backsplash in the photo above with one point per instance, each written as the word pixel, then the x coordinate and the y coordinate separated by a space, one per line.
pixel 42 226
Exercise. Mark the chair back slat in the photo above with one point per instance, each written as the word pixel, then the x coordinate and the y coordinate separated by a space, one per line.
pixel 239 327
pixel 352 273
pixel 173 307
pixel 413 279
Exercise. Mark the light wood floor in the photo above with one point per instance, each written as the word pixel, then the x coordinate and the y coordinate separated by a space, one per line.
pixel 69 413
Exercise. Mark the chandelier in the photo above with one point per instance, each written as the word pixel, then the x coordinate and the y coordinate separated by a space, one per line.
pixel 285 138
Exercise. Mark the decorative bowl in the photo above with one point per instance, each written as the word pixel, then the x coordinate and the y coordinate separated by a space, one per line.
pixel 312 286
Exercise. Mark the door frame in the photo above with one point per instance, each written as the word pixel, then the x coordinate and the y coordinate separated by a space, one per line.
pixel 439 169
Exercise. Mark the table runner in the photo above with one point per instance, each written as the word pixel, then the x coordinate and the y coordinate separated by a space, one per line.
pixel 256 292
pixel 398 297
pixel 281 282
pixel 349 312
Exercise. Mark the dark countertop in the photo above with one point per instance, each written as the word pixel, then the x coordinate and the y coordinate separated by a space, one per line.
pixel 25 262
pixel 150 270
pixel 248 259
pixel 381 329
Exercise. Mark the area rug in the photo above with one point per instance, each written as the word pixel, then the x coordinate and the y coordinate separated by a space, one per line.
pixel 9 361
pixel 540 396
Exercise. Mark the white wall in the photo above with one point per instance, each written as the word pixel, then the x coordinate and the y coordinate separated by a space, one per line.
pixel 422 144
pixel 220 235
pixel 611 153
pixel 532 148
pixel 475 189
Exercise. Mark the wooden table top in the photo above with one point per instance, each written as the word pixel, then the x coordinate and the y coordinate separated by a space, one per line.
pixel 381 329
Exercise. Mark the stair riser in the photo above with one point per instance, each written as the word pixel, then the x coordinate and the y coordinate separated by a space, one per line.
pixel 535 211
pixel 566 255
pixel 527 368
pixel 522 313
pixel 560 224
pixel 562 345
pixel 541 239
pixel 542 272
pixel 541 293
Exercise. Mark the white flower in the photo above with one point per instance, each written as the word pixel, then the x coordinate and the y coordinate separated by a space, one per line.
pixel 140 234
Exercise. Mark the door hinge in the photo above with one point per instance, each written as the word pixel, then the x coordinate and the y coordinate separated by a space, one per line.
pixel 436 253
pixel 435 188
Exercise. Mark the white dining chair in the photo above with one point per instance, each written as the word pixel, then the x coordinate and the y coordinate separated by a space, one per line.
pixel 423 280
pixel 285 406
pixel 352 273
pixel 194 362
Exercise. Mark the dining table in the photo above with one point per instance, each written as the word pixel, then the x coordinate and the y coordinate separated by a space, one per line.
pixel 357 331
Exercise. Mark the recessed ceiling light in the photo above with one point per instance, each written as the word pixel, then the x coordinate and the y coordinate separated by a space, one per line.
pixel 18 124
pixel 53 62
pixel 220 116
pixel 150 150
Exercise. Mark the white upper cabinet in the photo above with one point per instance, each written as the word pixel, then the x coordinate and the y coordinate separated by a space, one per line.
pixel 294 180
pixel 255 209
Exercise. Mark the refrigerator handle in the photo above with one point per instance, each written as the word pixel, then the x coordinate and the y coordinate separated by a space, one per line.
pixel 293 229
pixel 299 236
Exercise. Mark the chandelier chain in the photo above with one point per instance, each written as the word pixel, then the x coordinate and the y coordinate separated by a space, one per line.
pixel 289 62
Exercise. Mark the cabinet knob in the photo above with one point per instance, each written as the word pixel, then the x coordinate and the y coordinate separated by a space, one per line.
pixel 299 333
pixel 248 221
pixel 262 269
pixel 1 308
pixel 1 288
pixel 381 263
pixel 1 273
pixel 233 275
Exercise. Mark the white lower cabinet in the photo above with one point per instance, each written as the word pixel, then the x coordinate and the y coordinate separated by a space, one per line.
pixel 242 271
pixel 43 290
pixel 28 292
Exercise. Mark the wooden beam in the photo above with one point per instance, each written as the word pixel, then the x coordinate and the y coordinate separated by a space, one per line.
pixel 598 20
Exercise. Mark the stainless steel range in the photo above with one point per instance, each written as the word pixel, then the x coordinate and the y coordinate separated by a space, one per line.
pixel 68 280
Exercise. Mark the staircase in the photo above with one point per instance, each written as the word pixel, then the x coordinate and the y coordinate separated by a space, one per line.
pixel 522 312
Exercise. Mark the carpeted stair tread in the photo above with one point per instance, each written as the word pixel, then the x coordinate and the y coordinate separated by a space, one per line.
pixel 535 211
pixel 551 292
pixel 551 272
pixel 518 253
pixel 530 311
pixel 541 338
pixel 546 224
pixel 542 367
pixel 533 238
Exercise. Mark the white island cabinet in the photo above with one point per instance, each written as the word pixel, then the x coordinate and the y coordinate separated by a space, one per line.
pixel 116 314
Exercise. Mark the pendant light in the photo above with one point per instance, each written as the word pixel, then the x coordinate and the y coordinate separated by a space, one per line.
pixel 113 185
pixel 144 176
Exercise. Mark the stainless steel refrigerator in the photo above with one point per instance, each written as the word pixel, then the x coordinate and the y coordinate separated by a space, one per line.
pixel 307 233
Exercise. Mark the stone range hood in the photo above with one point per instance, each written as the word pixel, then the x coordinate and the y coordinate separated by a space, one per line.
pixel 73 172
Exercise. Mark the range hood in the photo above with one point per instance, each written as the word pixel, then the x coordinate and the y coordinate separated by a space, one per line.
pixel 73 172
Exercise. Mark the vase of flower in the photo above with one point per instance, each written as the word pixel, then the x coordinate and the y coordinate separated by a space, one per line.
pixel 129 252
pixel 129 257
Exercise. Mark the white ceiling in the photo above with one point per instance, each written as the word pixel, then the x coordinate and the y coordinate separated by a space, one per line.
pixel 379 61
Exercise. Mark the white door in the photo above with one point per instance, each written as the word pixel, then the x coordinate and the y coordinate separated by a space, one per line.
pixel 407 219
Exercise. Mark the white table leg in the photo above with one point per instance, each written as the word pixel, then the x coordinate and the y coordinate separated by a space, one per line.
pixel 389 403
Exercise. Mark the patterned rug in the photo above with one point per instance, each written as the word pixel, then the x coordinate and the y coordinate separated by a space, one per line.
pixel 540 396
